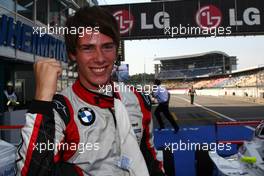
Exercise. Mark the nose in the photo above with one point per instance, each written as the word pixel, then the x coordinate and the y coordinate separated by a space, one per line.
pixel 99 56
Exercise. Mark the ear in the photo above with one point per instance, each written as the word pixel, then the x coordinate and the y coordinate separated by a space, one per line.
pixel 72 57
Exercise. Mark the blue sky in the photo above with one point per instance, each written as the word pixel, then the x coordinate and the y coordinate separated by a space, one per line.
pixel 249 50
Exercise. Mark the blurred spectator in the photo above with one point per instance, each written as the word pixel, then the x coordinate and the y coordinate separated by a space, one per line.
pixel 10 98
pixel 163 97
pixel 191 92
pixel 122 73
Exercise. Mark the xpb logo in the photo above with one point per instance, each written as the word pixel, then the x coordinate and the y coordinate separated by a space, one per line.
pixel 125 20
pixel 208 17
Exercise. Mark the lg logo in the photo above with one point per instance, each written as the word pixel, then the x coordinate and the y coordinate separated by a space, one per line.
pixel 251 16
pixel 209 17
pixel 125 20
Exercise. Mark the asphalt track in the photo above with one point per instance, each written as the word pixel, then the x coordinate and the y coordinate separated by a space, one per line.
pixel 209 109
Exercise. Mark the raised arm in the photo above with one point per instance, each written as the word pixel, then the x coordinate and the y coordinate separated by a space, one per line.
pixel 44 128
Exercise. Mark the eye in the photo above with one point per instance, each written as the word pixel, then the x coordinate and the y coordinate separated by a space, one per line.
pixel 88 48
pixel 108 47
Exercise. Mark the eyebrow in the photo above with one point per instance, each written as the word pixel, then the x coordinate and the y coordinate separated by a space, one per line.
pixel 89 45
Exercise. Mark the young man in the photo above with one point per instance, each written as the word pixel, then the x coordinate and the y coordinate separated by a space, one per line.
pixel 110 129
pixel 163 97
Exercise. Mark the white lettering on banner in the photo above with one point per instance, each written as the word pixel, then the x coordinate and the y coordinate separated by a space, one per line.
pixel 160 20
pixel 251 16
pixel 164 17
pixel 144 24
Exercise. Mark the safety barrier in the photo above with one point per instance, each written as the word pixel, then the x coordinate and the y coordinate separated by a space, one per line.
pixel 235 123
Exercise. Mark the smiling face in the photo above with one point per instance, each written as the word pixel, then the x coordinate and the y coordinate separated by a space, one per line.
pixel 95 57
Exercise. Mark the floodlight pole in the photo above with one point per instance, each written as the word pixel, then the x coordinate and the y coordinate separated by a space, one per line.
pixel 257 84
pixel 144 76
pixel 224 66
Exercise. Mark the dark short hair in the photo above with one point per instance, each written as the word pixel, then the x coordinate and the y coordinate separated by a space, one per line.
pixel 157 82
pixel 91 17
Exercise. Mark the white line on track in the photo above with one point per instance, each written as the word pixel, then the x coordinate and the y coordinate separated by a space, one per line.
pixel 217 113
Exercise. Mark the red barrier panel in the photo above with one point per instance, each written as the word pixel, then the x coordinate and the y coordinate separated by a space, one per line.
pixel 239 142
pixel 8 127
pixel 253 122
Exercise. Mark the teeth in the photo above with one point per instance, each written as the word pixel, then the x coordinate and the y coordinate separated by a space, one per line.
pixel 99 69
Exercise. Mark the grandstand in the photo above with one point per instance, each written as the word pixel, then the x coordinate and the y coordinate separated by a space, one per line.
pixel 195 65
pixel 212 73
pixel 250 77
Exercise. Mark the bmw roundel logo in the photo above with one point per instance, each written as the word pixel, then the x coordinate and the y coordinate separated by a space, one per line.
pixel 86 116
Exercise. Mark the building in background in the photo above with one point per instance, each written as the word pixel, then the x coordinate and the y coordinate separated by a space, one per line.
pixel 195 65
pixel 21 45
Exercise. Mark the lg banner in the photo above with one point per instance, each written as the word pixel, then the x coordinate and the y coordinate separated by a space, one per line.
pixel 189 18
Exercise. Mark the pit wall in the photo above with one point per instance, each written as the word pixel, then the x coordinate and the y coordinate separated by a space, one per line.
pixel 253 92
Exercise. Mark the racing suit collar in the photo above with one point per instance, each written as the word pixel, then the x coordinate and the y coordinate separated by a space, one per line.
pixel 92 97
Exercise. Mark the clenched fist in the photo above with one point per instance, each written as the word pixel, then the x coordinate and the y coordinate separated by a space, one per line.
pixel 47 72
